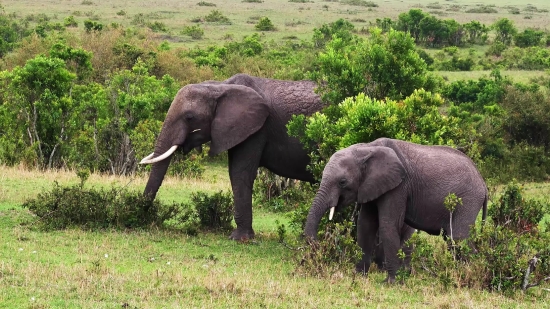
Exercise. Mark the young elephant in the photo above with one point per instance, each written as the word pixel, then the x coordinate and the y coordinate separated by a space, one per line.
pixel 399 182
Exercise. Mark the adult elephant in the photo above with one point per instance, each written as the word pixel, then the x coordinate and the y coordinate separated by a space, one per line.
pixel 397 183
pixel 246 116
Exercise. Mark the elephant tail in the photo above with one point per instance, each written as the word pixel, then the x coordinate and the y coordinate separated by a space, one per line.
pixel 484 211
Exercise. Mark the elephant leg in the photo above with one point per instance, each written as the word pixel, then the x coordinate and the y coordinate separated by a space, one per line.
pixel 379 254
pixel 244 160
pixel 390 217
pixel 406 233
pixel 367 225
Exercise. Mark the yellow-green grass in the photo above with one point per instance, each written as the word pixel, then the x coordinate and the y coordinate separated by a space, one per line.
pixel 291 19
pixel 515 75
pixel 166 269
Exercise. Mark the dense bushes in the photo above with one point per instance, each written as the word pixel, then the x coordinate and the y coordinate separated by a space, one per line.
pixel 509 253
pixel 362 119
pixel 89 208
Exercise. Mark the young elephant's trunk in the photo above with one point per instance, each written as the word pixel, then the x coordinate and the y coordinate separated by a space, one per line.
pixel 321 204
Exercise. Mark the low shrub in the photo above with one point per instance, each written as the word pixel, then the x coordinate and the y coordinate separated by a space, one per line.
pixel 507 254
pixel 214 211
pixel 515 212
pixel 335 254
pixel 204 3
pixel 195 32
pixel 265 24
pixel 217 16
pixel 364 3
pixel 482 10
pixel 75 206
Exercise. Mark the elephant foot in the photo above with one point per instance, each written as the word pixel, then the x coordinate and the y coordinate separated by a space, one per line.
pixel 242 234
pixel 389 280
pixel 362 268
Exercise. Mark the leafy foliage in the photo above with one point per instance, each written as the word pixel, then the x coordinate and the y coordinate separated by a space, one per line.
pixel 505 30
pixel 335 253
pixel 194 32
pixel 265 24
pixel 215 211
pixel 362 119
pixel 216 16
pixel 65 207
pixel 382 66
pixel 501 256
pixel 515 212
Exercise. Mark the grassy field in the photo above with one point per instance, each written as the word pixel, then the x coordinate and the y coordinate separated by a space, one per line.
pixel 294 20
pixel 166 269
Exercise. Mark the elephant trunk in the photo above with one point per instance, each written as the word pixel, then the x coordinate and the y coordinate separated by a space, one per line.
pixel 170 138
pixel 322 202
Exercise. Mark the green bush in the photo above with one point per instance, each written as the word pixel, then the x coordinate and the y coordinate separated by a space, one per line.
pixel 157 26
pixel 362 119
pixel 515 212
pixel 195 32
pixel 507 254
pixel 336 252
pixel 265 24
pixel 384 65
pixel 204 3
pixel 482 9
pixel 364 3
pixel 529 37
pixel 70 21
pixel 75 206
pixel 217 16
pixel 214 211
pixel 91 25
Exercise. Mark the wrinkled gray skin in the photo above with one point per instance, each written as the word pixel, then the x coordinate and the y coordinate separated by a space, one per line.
pixel 398 182
pixel 246 116
pixel 404 235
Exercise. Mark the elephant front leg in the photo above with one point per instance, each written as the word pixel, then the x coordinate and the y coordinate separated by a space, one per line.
pixel 243 167
pixel 390 218
pixel 367 225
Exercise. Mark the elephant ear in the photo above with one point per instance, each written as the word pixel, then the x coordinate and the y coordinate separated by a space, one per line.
pixel 240 112
pixel 382 170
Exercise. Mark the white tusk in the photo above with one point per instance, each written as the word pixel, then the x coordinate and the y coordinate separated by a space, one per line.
pixel 163 156
pixel 331 214
pixel 195 130
pixel 148 157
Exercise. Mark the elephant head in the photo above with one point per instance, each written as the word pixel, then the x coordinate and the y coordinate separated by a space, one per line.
pixel 220 113
pixel 359 173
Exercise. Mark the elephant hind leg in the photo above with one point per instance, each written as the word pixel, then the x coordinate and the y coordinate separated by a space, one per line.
pixel 464 218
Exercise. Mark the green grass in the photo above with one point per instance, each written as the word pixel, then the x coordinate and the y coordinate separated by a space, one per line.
pixel 516 76
pixel 167 269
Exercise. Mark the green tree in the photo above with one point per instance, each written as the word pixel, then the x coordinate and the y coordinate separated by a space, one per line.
pixel 505 30
pixel 341 29
pixel 384 65
pixel 362 119
pixel 476 31
pixel 529 37
pixel 37 94
pixel 77 60
pixel 410 22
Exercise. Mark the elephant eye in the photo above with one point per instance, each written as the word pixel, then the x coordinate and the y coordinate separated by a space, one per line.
pixel 342 183
pixel 189 116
